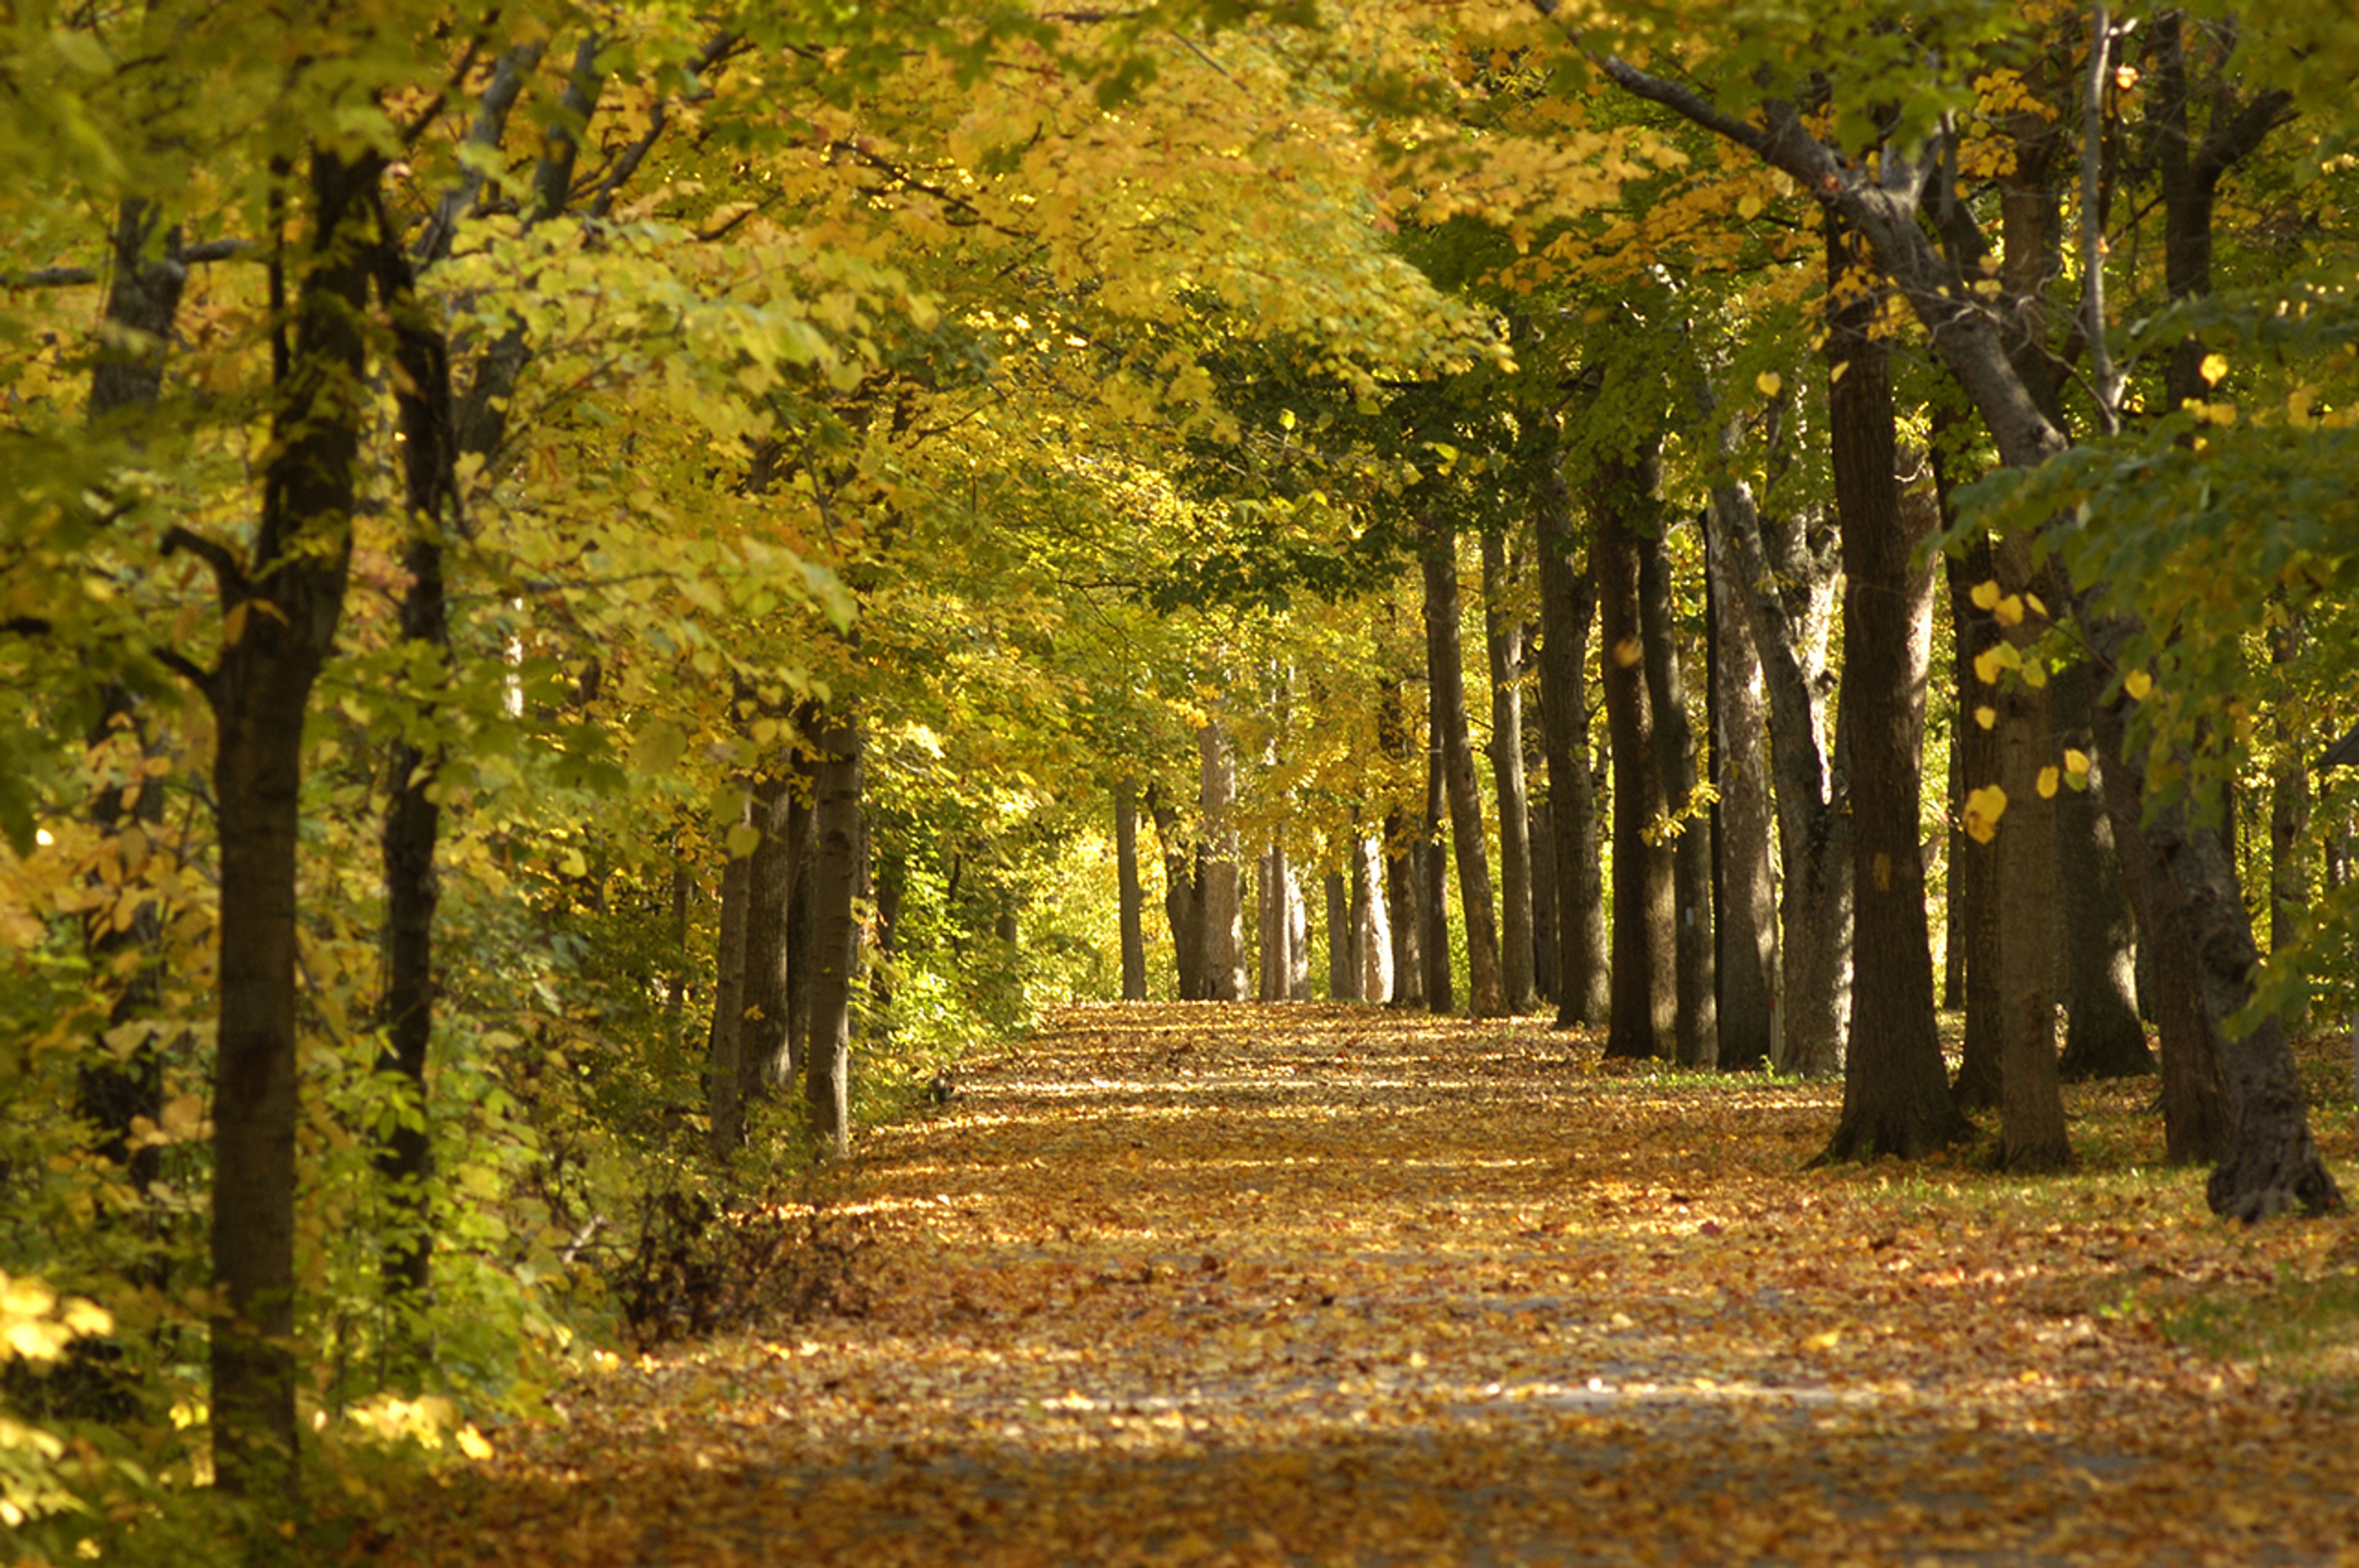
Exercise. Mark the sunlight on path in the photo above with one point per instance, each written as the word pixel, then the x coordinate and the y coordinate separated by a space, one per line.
pixel 1262 1285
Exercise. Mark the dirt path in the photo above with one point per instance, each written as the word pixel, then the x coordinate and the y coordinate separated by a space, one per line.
pixel 1321 1285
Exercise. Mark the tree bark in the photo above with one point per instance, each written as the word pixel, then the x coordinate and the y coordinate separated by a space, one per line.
pixel 1224 915
pixel 725 1073
pixel 282 606
pixel 1645 964
pixel 1433 874
pixel 1503 646
pixel 1132 900
pixel 835 929
pixel 1896 1086
pixel 1182 899
pixel 1568 604
pixel 2290 853
pixel 1446 670
pixel 1697 1027
pixel 1343 964
pixel 766 1059
pixel 1745 890
pixel 2103 1036
pixel 1789 575
pixel 1974 865
pixel 1404 855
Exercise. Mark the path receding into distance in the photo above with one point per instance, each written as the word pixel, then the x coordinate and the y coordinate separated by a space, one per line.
pixel 1264 1285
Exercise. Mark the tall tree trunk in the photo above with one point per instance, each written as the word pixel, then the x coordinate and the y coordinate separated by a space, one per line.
pixel 2196 1125
pixel 1895 1086
pixel 1697 1030
pixel 1446 669
pixel 297 568
pixel 835 928
pixel 1343 939
pixel 1222 912
pixel 1131 899
pixel 1568 604
pixel 766 1039
pixel 1503 646
pixel 2290 853
pixel 1371 924
pixel 1974 864
pixel 1744 891
pixel 1433 875
pixel 1182 899
pixel 1787 575
pixel 1404 854
pixel 2103 1036
pixel 1645 964
pixel 724 1077
pixel 1279 900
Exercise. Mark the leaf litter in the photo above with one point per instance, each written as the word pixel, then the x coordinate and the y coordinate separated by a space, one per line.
pixel 1197 1284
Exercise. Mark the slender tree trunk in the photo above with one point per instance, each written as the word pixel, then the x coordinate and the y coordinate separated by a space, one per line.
pixel 1277 925
pixel 2290 853
pixel 1403 858
pixel 1224 915
pixel 1183 895
pixel 725 1073
pixel 2103 1036
pixel 1541 839
pixel 1743 820
pixel 1787 575
pixel 1895 1086
pixel 298 565
pixel 1568 604
pixel 1445 668
pixel 1371 924
pixel 1696 1031
pixel 835 929
pixel 1974 865
pixel 1503 646
pixel 1645 964
pixel 1342 944
pixel 765 1047
pixel 1433 875
pixel 1131 898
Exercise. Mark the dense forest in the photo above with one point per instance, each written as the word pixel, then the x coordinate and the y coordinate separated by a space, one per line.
pixel 591 596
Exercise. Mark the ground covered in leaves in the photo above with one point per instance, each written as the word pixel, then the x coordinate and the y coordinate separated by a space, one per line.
pixel 1278 1285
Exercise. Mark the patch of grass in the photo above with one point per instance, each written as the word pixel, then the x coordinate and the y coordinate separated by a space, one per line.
pixel 2301 1331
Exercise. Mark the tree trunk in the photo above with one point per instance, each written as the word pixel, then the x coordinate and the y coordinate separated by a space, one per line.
pixel 724 1077
pixel 835 929
pixel 1433 875
pixel 1697 1028
pixel 766 1059
pixel 1645 964
pixel 1503 646
pixel 1278 901
pixel 1974 864
pixel 296 573
pixel 1342 938
pixel 1446 670
pixel 1180 894
pixel 1129 895
pixel 2197 1126
pixel 1787 577
pixel 1222 913
pixel 1371 924
pixel 1568 604
pixel 2103 1037
pixel 1745 891
pixel 2289 848
pixel 1895 1086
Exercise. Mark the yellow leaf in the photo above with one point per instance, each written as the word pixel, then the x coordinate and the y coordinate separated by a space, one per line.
pixel 1984 807
pixel 743 838
pixel 1627 653
pixel 2215 366
pixel 1748 206
pixel 2008 612
pixel 1985 595
pixel 2037 607
pixel 1987 666
pixel 2049 779
pixel 233 623
pixel 2075 761
pixel 2137 683
pixel 1986 716
pixel 1770 382
pixel 474 1444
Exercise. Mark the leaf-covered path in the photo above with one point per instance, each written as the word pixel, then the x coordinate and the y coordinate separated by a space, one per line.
pixel 1312 1285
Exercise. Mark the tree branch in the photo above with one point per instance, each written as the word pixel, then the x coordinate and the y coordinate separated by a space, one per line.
pixel 229 576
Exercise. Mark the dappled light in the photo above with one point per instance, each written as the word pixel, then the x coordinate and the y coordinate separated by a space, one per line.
pixel 1512 1310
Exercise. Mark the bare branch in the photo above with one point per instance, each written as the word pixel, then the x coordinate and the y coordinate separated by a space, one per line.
pixel 229 575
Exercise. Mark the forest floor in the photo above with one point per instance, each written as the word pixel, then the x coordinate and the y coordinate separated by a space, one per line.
pixel 1311 1284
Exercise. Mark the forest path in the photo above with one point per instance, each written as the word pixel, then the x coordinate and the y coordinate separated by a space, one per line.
pixel 1262 1285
